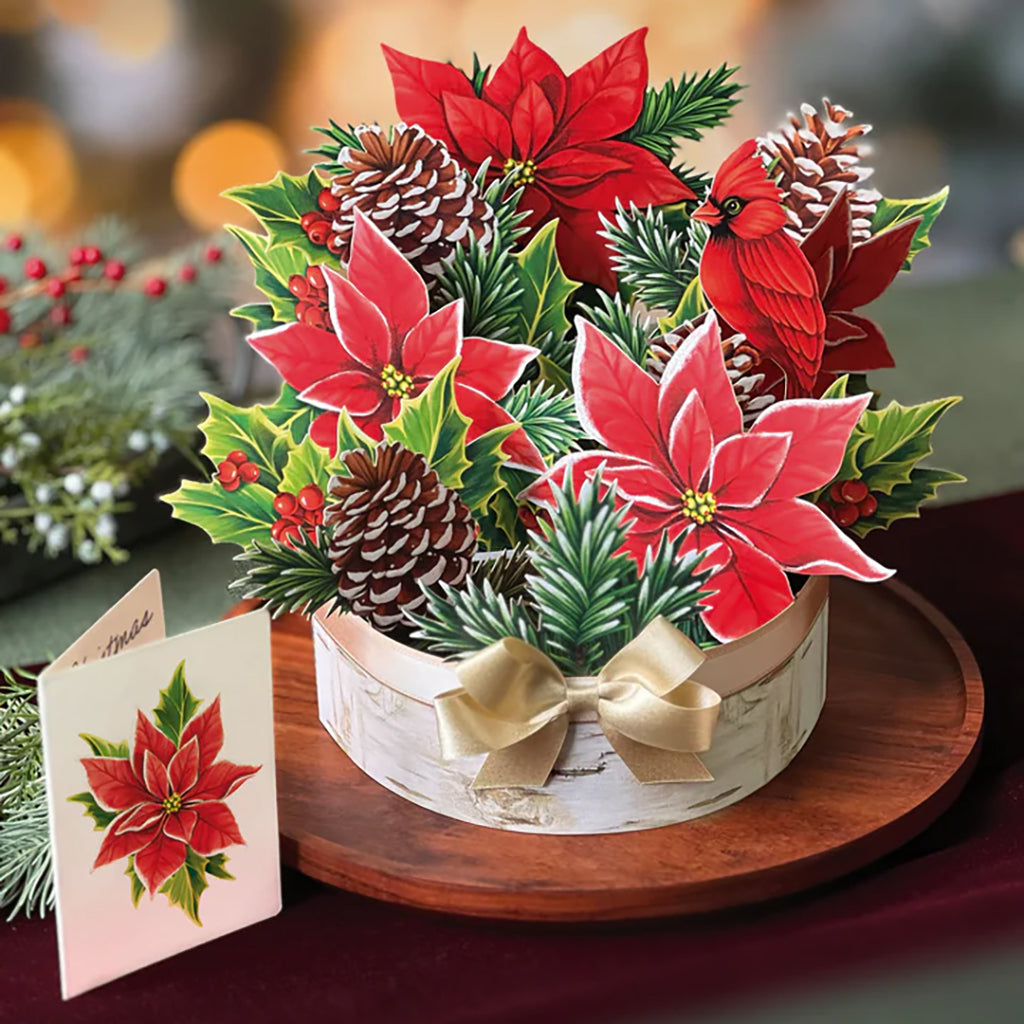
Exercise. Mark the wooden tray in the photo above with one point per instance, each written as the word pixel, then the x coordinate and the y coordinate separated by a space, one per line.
pixel 893 747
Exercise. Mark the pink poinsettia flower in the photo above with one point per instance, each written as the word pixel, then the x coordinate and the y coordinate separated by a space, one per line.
pixel 678 454
pixel 386 346
pixel 168 797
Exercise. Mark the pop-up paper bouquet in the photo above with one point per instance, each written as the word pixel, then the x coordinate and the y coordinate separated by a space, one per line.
pixel 570 437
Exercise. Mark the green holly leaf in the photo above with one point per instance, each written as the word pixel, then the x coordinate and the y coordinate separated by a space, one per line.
pixel 499 522
pixel 482 477
pixel 260 314
pixel 691 305
pixel 837 389
pixel 350 437
pixel 273 269
pixel 104 748
pixel 891 212
pixel 230 427
pixel 186 885
pixel 290 414
pixel 101 817
pixel 546 289
pixel 552 373
pixel 896 439
pixel 176 707
pixel 308 463
pixel 232 517
pixel 279 205
pixel 215 866
pixel 138 888
pixel 905 500
pixel 433 425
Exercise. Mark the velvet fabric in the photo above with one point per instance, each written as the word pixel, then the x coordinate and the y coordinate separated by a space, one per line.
pixel 333 956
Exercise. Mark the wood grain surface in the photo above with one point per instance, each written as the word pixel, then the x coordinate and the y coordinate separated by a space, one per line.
pixel 894 745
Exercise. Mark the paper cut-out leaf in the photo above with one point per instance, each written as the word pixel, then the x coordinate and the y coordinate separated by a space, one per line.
pixel 546 289
pixel 552 373
pixel 288 413
pixel 905 500
pixel 273 269
pixel 176 707
pixel 279 205
pixel 260 314
pixel 100 816
pixel 186 885
pixel 350 436
pixel 891 212
pixel 104 748
pixel 482 476
pixel 691 305
pixel 215 866
pixel 230 427
pixel 307 464
pixel 235 517
pixel 138 887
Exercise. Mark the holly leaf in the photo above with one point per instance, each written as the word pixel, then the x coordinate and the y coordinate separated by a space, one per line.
pixel 482 477
pixel 546 289
pixel 176 707
pixel 104 748
pixel 552 373
pixel 138 888
pixel 186 885
pixel 279 205
pixel 260 314
pixel 499 522
pixel 215 866
pixel 229 428
pixel 891 212
pixel 896 439
pixel 691 305
pixel 350 437
pixel 905 500
pixel 291 415
pixel 233 517
pixel 102 818
pixel 307 464
pixel 433 425
pixel 273 269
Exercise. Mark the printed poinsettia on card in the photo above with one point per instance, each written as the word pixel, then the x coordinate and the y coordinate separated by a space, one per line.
pixel 159 760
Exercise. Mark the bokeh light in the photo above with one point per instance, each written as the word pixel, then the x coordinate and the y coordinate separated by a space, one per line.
pixel 20 15
pixel 125 28
pixel 223 155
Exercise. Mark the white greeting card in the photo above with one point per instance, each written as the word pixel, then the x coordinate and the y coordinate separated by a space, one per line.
pixel 159 760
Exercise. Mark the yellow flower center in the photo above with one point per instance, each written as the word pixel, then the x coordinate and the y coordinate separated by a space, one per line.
pixel 172 803
pixel 396 384
pixel 526 171
pixel 698 506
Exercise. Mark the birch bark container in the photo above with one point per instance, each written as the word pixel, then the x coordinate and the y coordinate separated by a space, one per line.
pixel 375 698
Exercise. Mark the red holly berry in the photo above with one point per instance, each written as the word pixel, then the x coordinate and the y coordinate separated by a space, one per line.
pixel 91 254
pixel 319 232
pixel 60 315
pixel 311 497
pixel 335 244
pixel 14 242
pixel 316 278
pixel 237 457
pixel 155 287
pixel 29 340
pixel 853 491
pixel 298 285
pixel 35 268
pixel 285 503
pixel 307 220
pixel 114 270
pixel 5 321
pixel 187 273
pixel 249 472
pixel 868 506
pixel 213 254
pixel 78 353
pixel 284 531
pixel 846 515
pixel 227 475
pixel 328 201
pixel 55 287
pixel 77 256
pixel 835 492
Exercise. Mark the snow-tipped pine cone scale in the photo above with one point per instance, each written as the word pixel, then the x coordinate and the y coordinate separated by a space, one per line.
pixel 395 529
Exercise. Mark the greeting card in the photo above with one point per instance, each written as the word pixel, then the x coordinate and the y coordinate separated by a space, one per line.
pixel 159 762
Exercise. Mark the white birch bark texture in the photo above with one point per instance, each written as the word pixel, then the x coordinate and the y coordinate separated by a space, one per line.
pixel 375 699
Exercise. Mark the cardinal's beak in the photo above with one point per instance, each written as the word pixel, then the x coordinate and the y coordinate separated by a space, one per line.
pixel 709 213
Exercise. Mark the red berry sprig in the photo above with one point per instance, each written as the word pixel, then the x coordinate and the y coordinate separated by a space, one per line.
pixel 311 291
pixel 298 512
pixel 848 501
pixel 235 470
pixel 318 223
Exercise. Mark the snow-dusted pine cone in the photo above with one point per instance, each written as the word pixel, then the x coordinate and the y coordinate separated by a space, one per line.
pixel 818 156
pixel 410 186
pixel 750 385
pixel 394 529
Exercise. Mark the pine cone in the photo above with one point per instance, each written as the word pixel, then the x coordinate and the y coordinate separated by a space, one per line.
pixel 394 529
pixel 752 391
pixel 414 191
pixel 817 158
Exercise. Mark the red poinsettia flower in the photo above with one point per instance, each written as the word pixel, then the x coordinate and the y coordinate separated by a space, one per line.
pixel 387 346
pixel 170 797
pixel 850 276
pixel 556 132
pixel 678 454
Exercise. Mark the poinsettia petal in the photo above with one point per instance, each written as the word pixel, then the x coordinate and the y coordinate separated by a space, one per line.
pixel 492 367
pixel 698 365
pixel 324 431
pixel 183 771
pixel 433 343
pixel 577 169
pixel 536 207
pixel 645 487
pixel 690 443
pixel 750 590
pixel 139 818
pixel 616 401
pixel 581 466
pixel 533 121
pixel 478 130
pixel 581 250
pixel 117 844
pixel 819 431
pixel 873 266
pixel 378 270
pixel 360 326
pixel 154 773
pixel 605 95
pixel 301 354
pixel 646 531
pixel 485 414
pixel 828 244
pixel 354 390
pixel 869 351
pixel 215 828
pixel 149 737
pixel 419 85
pixel 208 729
pixel 158 860
pixel 840 328
pixel 113 782
pixel 801 538
pixel 526 63
pixel 745 466
pixel 221 779
pixel 181 825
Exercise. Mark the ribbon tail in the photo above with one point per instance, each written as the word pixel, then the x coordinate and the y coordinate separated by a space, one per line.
pixel 526 763
pixel 654 764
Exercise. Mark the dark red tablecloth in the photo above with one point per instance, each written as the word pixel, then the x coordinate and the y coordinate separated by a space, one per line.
pixel 332 956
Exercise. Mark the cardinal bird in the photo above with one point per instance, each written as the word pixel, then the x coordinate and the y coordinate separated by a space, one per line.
pixel 755 275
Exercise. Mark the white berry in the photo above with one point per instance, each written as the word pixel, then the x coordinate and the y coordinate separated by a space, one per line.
pixel 106 527
pixel 101 491
pixel 42 521
pixel 30 441
pixel 17 394
pixel 44 494
pixel 74 483
pixel 138 441
pixel 88 552
pixel 57 537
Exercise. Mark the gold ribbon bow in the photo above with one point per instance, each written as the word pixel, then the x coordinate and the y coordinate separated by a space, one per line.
pixel 515 705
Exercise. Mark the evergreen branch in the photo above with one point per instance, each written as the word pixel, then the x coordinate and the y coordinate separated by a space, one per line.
pixel 547 415
pixel 503 197
pixel 670 585
pixel 461 622
pixel 289 578
pixel 622 324
pixel 505 571
pixel 339 138
pixel 683 110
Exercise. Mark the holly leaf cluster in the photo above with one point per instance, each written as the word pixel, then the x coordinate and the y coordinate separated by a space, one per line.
pixel 891 212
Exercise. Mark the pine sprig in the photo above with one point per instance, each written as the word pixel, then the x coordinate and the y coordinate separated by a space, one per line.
pixel 336 139
pixel 504 570
pixel 623 324
pixel 683 110
pixel 669 585
pixel 289 578
pixel 547 415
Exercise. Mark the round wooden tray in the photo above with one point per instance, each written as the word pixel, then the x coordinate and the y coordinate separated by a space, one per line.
pixel 893 747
